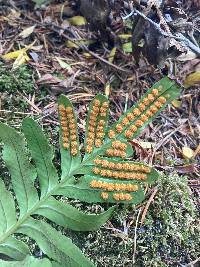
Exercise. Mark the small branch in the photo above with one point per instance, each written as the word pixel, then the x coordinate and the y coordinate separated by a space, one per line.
pixel 193 262
pixel 166 139
pixel 135 236
pixel 181 37
pixel 147 205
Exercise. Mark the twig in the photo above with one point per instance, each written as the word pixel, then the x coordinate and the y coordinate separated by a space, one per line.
pixel 193 262
pixel 181 37
pixel 147 205
pixel 135 236
pixel 164 140
pixel 15 112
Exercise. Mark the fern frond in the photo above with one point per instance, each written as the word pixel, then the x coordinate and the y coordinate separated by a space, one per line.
pixel 23 175
pixel 69 217
pixel 53 244
pixel 104 174
pixel 106 182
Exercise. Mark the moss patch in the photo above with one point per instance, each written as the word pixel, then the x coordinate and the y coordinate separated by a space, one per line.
pixel 169 237
pixel 18 80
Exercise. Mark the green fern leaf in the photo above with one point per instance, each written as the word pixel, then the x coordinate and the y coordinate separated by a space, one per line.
pixel 55 246
pixel 69 217
pixel 145 110
pixel 42 155
pixel 105 176
pixel 29 261
pixel 7 209
pixel 14 248
pixel 22 171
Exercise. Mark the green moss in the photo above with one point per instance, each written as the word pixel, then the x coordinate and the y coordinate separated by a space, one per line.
pixel 171 234
pixel 18 80
pixel 169 237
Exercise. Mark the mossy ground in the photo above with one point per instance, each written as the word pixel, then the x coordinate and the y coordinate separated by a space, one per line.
pixel 170 235
pixel 16 80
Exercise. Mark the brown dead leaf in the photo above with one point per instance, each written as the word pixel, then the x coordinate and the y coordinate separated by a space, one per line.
pixel 48 79
pixel 197 151
pixel 191 168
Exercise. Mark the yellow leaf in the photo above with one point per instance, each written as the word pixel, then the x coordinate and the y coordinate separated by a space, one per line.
pixel 78 43
pixel 21 59
pixel 112 55
pixel 125 36
pixel 77 21
pixel 63 64
pixel 71 44
pixel 127 47
pixel 176 103
pixel 26 32
pixel 192 79
pixel 107 89
pixel 14 54
pixel 188 153
pixel 18 53
pixel 87 55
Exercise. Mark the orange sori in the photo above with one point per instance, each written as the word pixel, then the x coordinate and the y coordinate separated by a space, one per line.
pixel 122 196
pixel 119 128
pixel 111 134
pixel 104 195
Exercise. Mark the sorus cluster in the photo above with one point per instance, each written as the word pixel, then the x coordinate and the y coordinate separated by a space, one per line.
pixel 96 125
pixel 112 152
pixel 104 109
pixel 119 145
pixel 100 133
pixel 129 133
pixel 153 108
pixel 113 186
pixel 118 149
pixel 69 132
pixel 127 166
pixel 104 195
pixel 119 174
pixel 134 113
pixel 122 196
